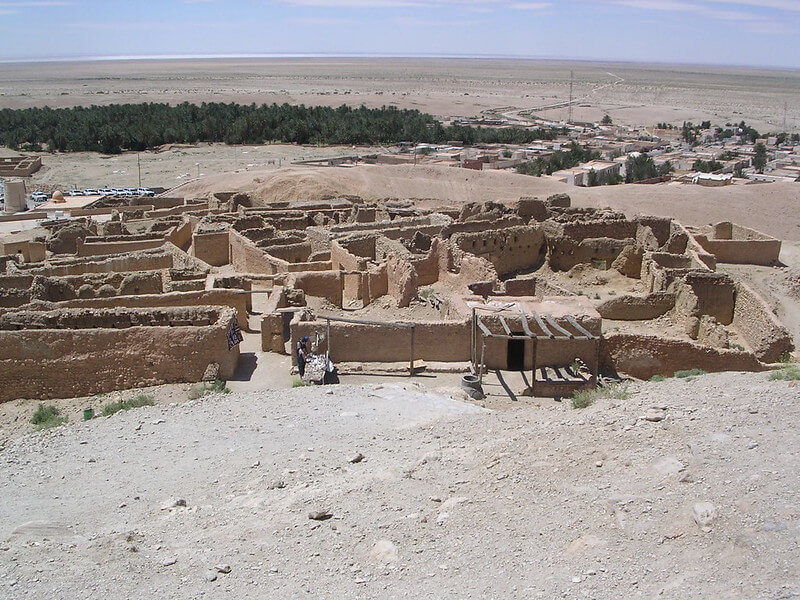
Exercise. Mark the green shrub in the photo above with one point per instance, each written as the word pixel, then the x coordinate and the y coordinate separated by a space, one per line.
pixel 215 387
pixel 584 398
pixel 658 378
pixel 690 373
pixel 47 416
pixel 298 383
pixel 789 373
pixel 135 402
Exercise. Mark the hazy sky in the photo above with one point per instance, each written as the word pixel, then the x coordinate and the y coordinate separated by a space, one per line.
pixel 746 32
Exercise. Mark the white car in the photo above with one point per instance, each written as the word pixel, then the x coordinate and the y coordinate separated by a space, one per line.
pixel 75 193
pixel 105 191
pixel 90 192
pixel 39 197
pixel 145 192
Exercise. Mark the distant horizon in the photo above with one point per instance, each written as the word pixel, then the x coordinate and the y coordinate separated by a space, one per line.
pixel 736 33
pixel 377 55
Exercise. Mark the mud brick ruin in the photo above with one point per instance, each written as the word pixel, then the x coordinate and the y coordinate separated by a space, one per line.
pixel 140 292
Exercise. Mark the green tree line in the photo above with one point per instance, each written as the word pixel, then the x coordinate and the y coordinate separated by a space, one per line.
pixel 117 127
pixel 558 160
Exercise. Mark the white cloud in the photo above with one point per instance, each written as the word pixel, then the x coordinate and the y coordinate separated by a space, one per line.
pixel 702 9
pixel 529 5
pixel 789 5
pixel 35 3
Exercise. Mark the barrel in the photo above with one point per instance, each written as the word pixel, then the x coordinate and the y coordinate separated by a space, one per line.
pixel 471 384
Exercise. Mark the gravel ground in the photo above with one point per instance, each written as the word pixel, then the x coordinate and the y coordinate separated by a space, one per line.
pixel 449 500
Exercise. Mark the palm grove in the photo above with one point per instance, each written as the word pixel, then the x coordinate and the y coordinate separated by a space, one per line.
pixel 114 128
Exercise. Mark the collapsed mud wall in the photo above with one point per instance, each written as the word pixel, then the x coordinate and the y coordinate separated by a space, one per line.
pixel 731 243
pixel 644 356
pixel 232 298
pixel 147 260
pixel 637 308
pixel 509 250
pixel 761 330
pixel 72 352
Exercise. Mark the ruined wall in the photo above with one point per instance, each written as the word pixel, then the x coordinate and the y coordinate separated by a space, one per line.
pixel 232 298
pixel 617 229
pixel 445 341
pixel 321 284
pixel 637 308
pixel 644 356
pixel 291 253
pixel 181 235
pixel 246 257
pixel 564 252
pixel 212 247
pixel 509 250
pixel 401 280
pixel 273 322
pixel 746 252
pixel 98 248
pixel 714 293
pixel 30 251
pixel 762 331
pixel 660 227
pixel 143 261
pixel 342 258
pixel 80 352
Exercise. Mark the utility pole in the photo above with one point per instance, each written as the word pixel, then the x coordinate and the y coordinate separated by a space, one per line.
pixel 139 166
pixel 571 81
pixel 785 109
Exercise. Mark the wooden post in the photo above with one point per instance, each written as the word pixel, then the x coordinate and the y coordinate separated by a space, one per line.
pixel 411 366
pixel 329 337
pixel 473 350
pixel 480 367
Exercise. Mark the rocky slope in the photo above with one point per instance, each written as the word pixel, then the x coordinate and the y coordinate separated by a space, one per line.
pixel 686 490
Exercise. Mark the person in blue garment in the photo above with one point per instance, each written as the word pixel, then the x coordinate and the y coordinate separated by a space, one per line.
pixel 302 354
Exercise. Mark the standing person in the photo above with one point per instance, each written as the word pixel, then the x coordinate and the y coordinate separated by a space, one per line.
pixel 302 355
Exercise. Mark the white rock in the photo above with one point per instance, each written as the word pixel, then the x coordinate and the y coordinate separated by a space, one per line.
pixel 384 552
pixel 704 514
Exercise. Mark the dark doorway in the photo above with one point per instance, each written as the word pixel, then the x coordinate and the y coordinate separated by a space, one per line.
pixel 516 355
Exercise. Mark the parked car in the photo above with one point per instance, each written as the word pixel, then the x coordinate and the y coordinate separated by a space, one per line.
pixel 39 197
pixel 145 192
pixel 105 191
pixel 75 193
pixel 90 192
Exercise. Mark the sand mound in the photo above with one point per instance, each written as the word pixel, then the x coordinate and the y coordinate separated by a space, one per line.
pixel 764 207
pixel 373 182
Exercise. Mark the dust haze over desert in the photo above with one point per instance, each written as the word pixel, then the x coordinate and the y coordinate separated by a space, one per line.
pixel 540 344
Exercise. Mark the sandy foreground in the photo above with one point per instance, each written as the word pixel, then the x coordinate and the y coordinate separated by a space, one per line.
pixel 633 94
pixel 685 490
